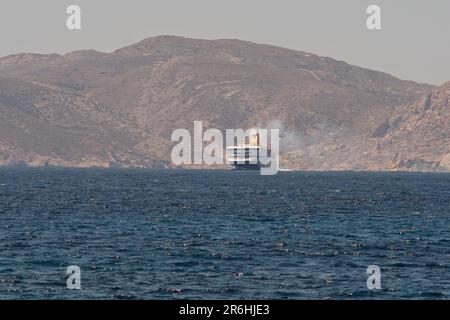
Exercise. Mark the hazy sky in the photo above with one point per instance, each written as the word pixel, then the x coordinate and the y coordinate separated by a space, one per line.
pixel 413 43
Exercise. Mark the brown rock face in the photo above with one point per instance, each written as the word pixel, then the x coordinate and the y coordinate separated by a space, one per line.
pixel 422 136
pixel 414 137
pixel 89 108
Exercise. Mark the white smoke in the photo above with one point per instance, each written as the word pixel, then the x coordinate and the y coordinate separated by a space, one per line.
pixel 293 140
pixel 290 140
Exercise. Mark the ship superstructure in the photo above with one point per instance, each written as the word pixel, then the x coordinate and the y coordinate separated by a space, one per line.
pixel 247 156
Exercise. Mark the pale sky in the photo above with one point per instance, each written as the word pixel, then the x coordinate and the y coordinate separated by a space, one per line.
pixel 413 43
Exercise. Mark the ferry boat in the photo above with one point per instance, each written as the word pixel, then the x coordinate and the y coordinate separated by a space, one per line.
pixel 247 156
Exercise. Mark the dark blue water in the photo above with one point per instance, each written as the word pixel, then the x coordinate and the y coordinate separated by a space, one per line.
pixel 223 234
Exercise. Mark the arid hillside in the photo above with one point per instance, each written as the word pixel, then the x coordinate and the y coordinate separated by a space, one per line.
pixel 90 108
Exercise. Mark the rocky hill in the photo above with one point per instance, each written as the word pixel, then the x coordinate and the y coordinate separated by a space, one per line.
pixel 415 137
pixel 90 108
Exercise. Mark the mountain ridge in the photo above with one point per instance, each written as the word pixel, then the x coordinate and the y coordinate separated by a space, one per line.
pixel 129 101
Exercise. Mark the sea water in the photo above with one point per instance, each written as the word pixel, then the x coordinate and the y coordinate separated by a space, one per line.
pixel 212 234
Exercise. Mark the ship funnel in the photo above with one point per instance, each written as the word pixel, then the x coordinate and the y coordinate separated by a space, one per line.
pixel 254 141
